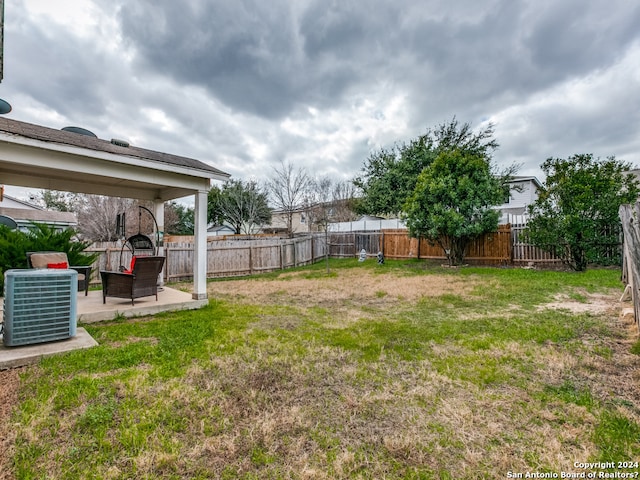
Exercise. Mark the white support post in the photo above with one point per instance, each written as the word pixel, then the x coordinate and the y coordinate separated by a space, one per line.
pixel 200 246
pixel 158 207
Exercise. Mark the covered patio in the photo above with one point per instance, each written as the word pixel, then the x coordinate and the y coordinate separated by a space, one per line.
pixel 40 157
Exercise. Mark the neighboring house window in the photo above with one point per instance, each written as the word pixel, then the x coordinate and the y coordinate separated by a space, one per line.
pixel 507 198
pixel 302 218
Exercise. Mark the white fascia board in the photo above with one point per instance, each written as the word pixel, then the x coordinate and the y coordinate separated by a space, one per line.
pixel 24 158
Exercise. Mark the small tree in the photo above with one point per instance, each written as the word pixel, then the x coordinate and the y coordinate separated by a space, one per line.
pixel 59 201
pixel 344 200
pixel 319 208
pixel 179 219
pixel 317 202
pixel 97 216
pixel 451 204
pixel 576 214
pixel 288 187
pixel 241 205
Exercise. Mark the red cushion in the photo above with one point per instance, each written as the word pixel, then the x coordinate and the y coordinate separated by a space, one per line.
pixel 58 265
pixel 133 263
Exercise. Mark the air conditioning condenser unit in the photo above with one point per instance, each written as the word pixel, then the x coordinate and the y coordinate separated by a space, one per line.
pixel 40 305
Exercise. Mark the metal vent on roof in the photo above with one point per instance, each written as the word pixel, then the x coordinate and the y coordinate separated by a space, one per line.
pixel 80 131
pixel 120 143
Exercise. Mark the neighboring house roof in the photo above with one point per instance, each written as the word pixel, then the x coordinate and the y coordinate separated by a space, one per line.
pixel 275 211
pixel 8 201
pixel 366 218
pixel 220 228
pixel 62 137
pixel 514 210
pixel 24 213
pixel 532 179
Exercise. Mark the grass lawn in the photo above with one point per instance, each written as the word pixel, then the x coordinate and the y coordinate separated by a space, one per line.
pixel 399 371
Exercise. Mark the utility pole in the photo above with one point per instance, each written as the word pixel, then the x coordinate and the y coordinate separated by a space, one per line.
pixel 1 38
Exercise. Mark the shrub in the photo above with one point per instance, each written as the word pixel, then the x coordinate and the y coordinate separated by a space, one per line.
pixel 15 244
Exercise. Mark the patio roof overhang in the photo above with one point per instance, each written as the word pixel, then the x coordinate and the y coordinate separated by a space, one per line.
pixel 40 157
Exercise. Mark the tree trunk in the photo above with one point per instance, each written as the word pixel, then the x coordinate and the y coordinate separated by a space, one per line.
pixel 290 224
pixel 458 246
pixel 454 249
pixel 326 246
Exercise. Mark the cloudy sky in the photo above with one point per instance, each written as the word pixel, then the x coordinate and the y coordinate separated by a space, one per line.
pixel 246 84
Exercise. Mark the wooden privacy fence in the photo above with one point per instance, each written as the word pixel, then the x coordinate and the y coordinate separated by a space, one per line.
pixel 349 244
pixel 247 255
pixel 244 257
pixel 507 246
pixel 630 218
pixel 493 248
pixel 224 258
pixel 524 253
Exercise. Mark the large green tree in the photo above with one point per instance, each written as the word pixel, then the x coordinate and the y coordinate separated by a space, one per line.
pixel 576 214
pixel 389 176
pixel 453 199
pixel 241 205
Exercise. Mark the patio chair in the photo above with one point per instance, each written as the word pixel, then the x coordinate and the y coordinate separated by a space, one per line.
pixel 141 282
pixel 60 260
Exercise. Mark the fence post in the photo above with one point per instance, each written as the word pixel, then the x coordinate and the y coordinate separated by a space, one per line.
pixel 295 259
pixel 629 218
pixel 281 256
pixel 167 252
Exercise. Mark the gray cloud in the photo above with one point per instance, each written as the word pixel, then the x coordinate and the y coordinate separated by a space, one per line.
pixel 243 53
pixel 54 67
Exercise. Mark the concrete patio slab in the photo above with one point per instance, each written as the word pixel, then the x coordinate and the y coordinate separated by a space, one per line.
pixel 13 357
pixel 91 309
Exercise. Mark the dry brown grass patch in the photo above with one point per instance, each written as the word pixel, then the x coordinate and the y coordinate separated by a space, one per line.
pixel 595 303
pixel 349 286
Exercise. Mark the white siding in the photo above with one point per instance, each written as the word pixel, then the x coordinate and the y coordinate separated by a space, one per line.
pixel 523 198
